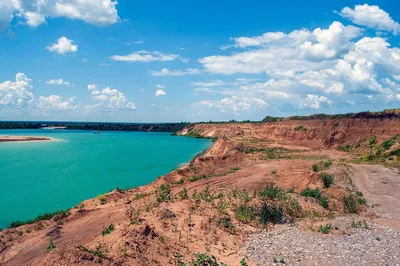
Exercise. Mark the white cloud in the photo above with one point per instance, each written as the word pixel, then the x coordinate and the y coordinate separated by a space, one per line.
pixel 35 12
pixel 142 90
pixel 111 99
pixel 159 86
pixel 58 82
pixel 145 56
pixel 235 104
pixel 63 46
pixel 314 101
pixel 55 103
pixel 166 72
pixel 16 94
pixel 160 93
pixel 372 17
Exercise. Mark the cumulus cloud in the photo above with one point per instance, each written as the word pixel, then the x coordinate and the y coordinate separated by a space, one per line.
pixel 58 82
pixel 235 104
pixel 111 99
pixel 35 12
pixel 145 56
pixel 160 93
pixel 63 46
pixel 167 72
pixel 16 94
pixel 372 17
pixel 322 68
pixel 56 103
pixel 159 86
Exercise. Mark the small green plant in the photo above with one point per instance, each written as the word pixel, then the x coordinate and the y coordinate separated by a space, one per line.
pixel 315 167
pixel 245 214
pixel 243 262
pixel 195 178
pixel 372 141
pixel 271 213
pixel 325 229
pixel 164 193
pixel 282 260
pixel 50 247
pixel 349 204
pixel 183 194
pixel 378 238
pixel 356 224
pixel 108 230
pixel 205 259
pixel 103 200
pixel 359 194
pixel 99 252
pixel 327 179
pixel 316 194
pixel 327 163
pixel 222 205
pixel 272 192
pixel 273 172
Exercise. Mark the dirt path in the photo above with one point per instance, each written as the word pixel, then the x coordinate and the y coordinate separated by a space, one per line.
pixel 381 188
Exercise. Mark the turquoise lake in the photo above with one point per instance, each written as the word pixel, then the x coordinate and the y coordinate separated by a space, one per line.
pixel 39 177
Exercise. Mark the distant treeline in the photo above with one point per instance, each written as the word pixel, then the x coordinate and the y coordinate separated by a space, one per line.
pixel 153 127
pixel 392 113
pixel 164 127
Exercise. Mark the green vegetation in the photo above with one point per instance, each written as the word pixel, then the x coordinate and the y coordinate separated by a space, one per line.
pixel 45 216
pixel 183 194
pixel 50 247
pixel 245 214
pixel 325 229
pixel 226 222
pixel 316 194
pixel 178 182
pixel 327 163
pixel 327 179
pixel 99 252
pixel 315 168
pixel 108 230
pixel 243 262
pixel 205 259
pixel 272 192
pixel 372 141
pixel 271 213
pixel 195 178
pixel 356 224
pixel 347 148
pixel 164 193
pixel 300 128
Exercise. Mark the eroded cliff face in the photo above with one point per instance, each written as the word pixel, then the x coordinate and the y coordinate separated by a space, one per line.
pixel 311 133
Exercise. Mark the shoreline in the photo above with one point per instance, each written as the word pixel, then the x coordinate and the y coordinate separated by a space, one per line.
pixel 25 139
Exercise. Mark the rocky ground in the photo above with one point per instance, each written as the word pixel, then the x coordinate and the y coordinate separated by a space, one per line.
pixel 352 241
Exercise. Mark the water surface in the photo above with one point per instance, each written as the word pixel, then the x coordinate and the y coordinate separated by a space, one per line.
pixel 38 177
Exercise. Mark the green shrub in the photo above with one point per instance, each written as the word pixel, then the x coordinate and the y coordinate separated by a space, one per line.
pixel 372 141
pixel 272 192
pixel 108 230
pixel 50 247
pixel 245 214
pixel 164 193
pixel 315 168
pixel 325 229
pixel 359 194
pixel 316 193
pixel 204 259
pixel 327 179
pixel 195 178
pixel 349 204
pixel 183 194
pixel 178 182
pixel 327 163
pixel 271 213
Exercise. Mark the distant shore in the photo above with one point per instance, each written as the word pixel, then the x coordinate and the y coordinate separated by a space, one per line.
pixel 23 138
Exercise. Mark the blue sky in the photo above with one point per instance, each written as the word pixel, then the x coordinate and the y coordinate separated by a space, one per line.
pixel 148 61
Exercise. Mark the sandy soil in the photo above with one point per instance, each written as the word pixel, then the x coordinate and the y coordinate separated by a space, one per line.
pixel 381 187
pixel 23 138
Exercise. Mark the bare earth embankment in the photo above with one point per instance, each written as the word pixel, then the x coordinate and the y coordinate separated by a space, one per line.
pixel 22 138
pixel 292 192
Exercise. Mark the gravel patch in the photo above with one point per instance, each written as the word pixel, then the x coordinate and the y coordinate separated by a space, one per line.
pixel 348 243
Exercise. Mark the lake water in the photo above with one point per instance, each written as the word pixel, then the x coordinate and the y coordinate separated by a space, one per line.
pixel 39 177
